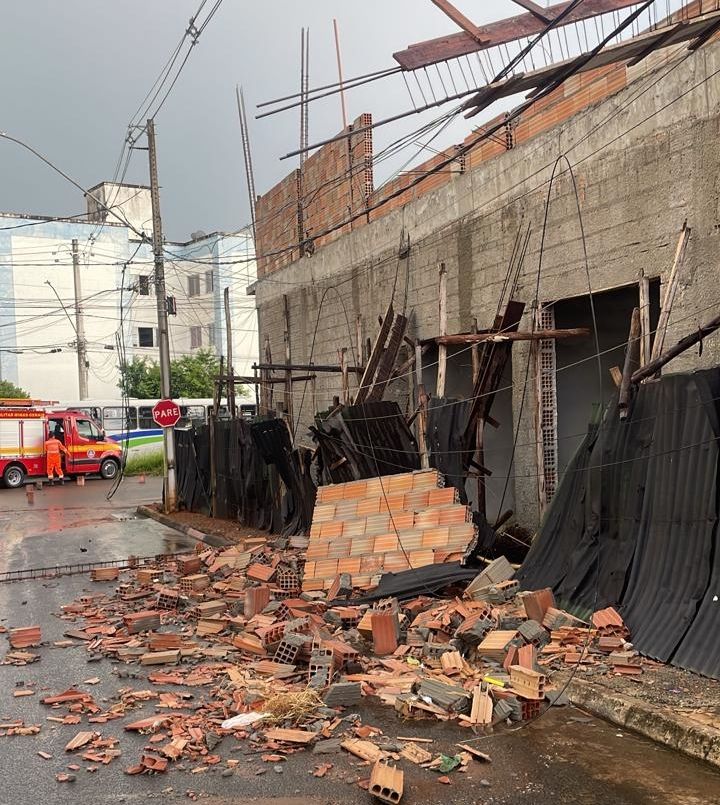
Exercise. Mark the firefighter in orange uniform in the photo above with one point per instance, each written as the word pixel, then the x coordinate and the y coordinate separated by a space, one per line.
pixel 53 448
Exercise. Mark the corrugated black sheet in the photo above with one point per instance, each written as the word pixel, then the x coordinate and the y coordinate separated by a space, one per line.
pixel 363 441
pixel 272 439
pixel 634 522
pixel 247 490
pixel 446 422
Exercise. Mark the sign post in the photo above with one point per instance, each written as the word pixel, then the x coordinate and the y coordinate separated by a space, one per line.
pixel 166 414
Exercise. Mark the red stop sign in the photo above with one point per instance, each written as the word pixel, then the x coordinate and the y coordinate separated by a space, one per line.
pixel 166 413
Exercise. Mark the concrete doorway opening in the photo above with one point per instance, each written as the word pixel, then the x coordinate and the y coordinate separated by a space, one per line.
pixel 566 410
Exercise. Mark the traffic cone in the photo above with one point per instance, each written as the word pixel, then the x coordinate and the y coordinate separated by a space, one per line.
pixel 141 479
pixel 80 480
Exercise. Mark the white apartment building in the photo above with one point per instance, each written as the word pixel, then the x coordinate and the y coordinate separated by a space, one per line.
pixel 39 298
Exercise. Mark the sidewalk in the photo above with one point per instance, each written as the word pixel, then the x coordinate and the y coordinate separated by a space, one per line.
pixel 671 706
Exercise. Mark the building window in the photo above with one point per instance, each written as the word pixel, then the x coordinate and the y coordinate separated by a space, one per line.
pixel 195 337
pixel 194 285
pixel 146 337
pixel 143 285
pixel 209 282
pixel 211 334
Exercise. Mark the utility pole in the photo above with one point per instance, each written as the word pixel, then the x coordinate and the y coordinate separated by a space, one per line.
pixel 228 349
pixel 162 315
pixel 79 326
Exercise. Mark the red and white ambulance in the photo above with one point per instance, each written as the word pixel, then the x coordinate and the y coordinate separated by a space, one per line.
pixel 26 424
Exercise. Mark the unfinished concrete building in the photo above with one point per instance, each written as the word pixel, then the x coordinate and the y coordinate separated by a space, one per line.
pixel 585 193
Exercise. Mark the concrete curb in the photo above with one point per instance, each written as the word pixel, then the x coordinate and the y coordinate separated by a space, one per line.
pixel 208 539
pixel 661 725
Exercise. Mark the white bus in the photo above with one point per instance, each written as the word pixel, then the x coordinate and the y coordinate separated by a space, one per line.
pixel 132 424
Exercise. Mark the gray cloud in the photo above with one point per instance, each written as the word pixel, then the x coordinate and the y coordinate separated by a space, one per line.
pixel 75 71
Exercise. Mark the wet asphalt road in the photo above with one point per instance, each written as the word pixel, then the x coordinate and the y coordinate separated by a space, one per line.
pixel 565 757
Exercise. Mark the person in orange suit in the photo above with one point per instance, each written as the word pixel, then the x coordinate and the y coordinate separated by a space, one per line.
pixel 53 448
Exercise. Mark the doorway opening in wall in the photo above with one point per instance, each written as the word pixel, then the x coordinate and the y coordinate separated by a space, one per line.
pixel 497 442
pixel 568 393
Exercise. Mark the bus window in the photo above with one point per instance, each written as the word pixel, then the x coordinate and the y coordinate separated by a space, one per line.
pixel 247 411
pixel 145 418
pixel 196 412
pixel 113 418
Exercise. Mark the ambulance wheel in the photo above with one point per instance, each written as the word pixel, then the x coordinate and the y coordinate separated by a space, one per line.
pixel 109 469
pixel 14 476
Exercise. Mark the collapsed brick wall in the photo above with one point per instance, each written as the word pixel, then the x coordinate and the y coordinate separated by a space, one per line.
pixel 333 184
pixel 336 182
pixel 644 161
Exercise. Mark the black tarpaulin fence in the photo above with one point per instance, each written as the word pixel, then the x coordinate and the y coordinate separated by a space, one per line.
pixel 634 523
pixel 248 487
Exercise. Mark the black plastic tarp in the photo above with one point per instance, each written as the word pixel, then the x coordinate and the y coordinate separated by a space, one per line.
pixel 247 490
pixel 634 522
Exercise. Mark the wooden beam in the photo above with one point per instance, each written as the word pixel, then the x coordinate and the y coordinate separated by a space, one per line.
pixel 535 10
pixel 422 413
pixel 670 290
pixel 366 380
pixel 632 361
pixel 479 429
pixel 459 19
pixel 288 371
pixel 537 335
pixel 682 345
pixel 304 367
pixel 501 32
pixel 644 44
pixel 442 316
pixel 645 335
pixel 342 354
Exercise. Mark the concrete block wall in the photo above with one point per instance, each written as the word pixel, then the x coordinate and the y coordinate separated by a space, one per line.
pixel 644 160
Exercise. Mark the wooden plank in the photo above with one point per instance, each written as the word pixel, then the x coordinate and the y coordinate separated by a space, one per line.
pixel 632 361
pixel 535 10
pixel 506 30
pixel 645 335
pixel 442 316
pixel 288 371
pixel 387 362
pixel 375 356
pixel 422 411
pixel 290 736
pixel 342 355
pixel 616 374
pixel 459 19
pixel 493 359
pixel 499 338
pixel 670 290
pixel 682 345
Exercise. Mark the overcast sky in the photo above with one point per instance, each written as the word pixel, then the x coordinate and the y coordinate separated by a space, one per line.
pixel 76 70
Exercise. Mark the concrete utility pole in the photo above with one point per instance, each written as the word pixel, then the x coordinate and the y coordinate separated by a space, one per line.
pixel 229 351
pixel 79 326
pixel 162 314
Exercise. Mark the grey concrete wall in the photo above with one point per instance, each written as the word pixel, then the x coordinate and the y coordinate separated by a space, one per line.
pixel 644 161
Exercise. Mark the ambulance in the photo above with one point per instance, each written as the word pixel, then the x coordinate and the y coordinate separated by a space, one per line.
pixel 26 424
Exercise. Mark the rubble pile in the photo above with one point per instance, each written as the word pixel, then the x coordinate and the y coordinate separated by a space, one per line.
pixel 232 647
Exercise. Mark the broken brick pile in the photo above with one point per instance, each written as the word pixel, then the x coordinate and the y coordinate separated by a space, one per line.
pixel 279 665
pixel 386 525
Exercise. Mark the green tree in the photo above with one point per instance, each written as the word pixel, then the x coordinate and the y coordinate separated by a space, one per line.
pixel 190 376
pixel 9 391
pixel 140 378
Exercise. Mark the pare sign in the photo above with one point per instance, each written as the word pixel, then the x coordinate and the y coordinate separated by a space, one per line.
pixel 166 413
